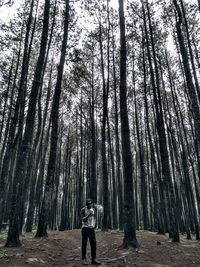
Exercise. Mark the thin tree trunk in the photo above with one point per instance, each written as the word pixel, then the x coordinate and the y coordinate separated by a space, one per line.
pixel 117 148
pixel 113 178
pixel 144 203
pixel 93 180
pixel 6 99
pixel 103 140
pixel 67 170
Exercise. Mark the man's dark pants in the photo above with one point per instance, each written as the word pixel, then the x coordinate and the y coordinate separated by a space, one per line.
pixel 88 233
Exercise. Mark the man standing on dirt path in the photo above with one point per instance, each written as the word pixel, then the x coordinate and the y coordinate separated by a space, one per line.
pixel 88 217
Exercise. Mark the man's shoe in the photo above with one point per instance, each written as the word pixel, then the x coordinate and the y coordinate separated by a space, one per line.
pixel 95 262
pixel 85 262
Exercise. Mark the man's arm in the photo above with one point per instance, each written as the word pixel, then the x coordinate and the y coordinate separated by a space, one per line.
pixel 83 217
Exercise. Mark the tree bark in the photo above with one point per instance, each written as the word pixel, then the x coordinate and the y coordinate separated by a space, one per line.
pixel 129 209
pixel 117 146
pixel 103 140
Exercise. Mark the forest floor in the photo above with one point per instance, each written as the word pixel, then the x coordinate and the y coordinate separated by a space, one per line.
pixel 63 249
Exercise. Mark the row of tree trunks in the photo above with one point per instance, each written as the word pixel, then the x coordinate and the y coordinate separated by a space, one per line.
pixel 190 86
pixel 49 191
pixel 145 178
pixel 12 137
pixel 25 146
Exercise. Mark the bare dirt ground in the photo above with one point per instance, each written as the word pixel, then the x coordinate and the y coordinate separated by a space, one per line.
pixel 63 249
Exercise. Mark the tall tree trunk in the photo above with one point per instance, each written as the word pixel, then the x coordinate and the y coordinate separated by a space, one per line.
pixel 129 209
pixel 6 99
pixel 3 180
pixel 93 179
pixel 80 178
pixel 66 171
pixel 10 111
pixel 113 180
pixel 103 140
pixel 117 146
pixel 143 176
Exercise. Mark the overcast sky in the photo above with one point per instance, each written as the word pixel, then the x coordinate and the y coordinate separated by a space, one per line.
pixel 6 11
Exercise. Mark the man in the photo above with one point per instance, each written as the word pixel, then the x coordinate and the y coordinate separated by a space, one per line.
pixel 88 217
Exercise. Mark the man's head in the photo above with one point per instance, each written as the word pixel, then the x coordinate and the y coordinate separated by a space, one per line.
pixel 89 203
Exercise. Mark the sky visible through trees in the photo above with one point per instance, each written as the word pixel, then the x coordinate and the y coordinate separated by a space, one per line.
pixel 100 99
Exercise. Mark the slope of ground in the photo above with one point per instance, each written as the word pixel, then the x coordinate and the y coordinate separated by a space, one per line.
pixel 64 249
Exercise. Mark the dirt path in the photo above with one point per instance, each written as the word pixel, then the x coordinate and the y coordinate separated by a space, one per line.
pixel 64 249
